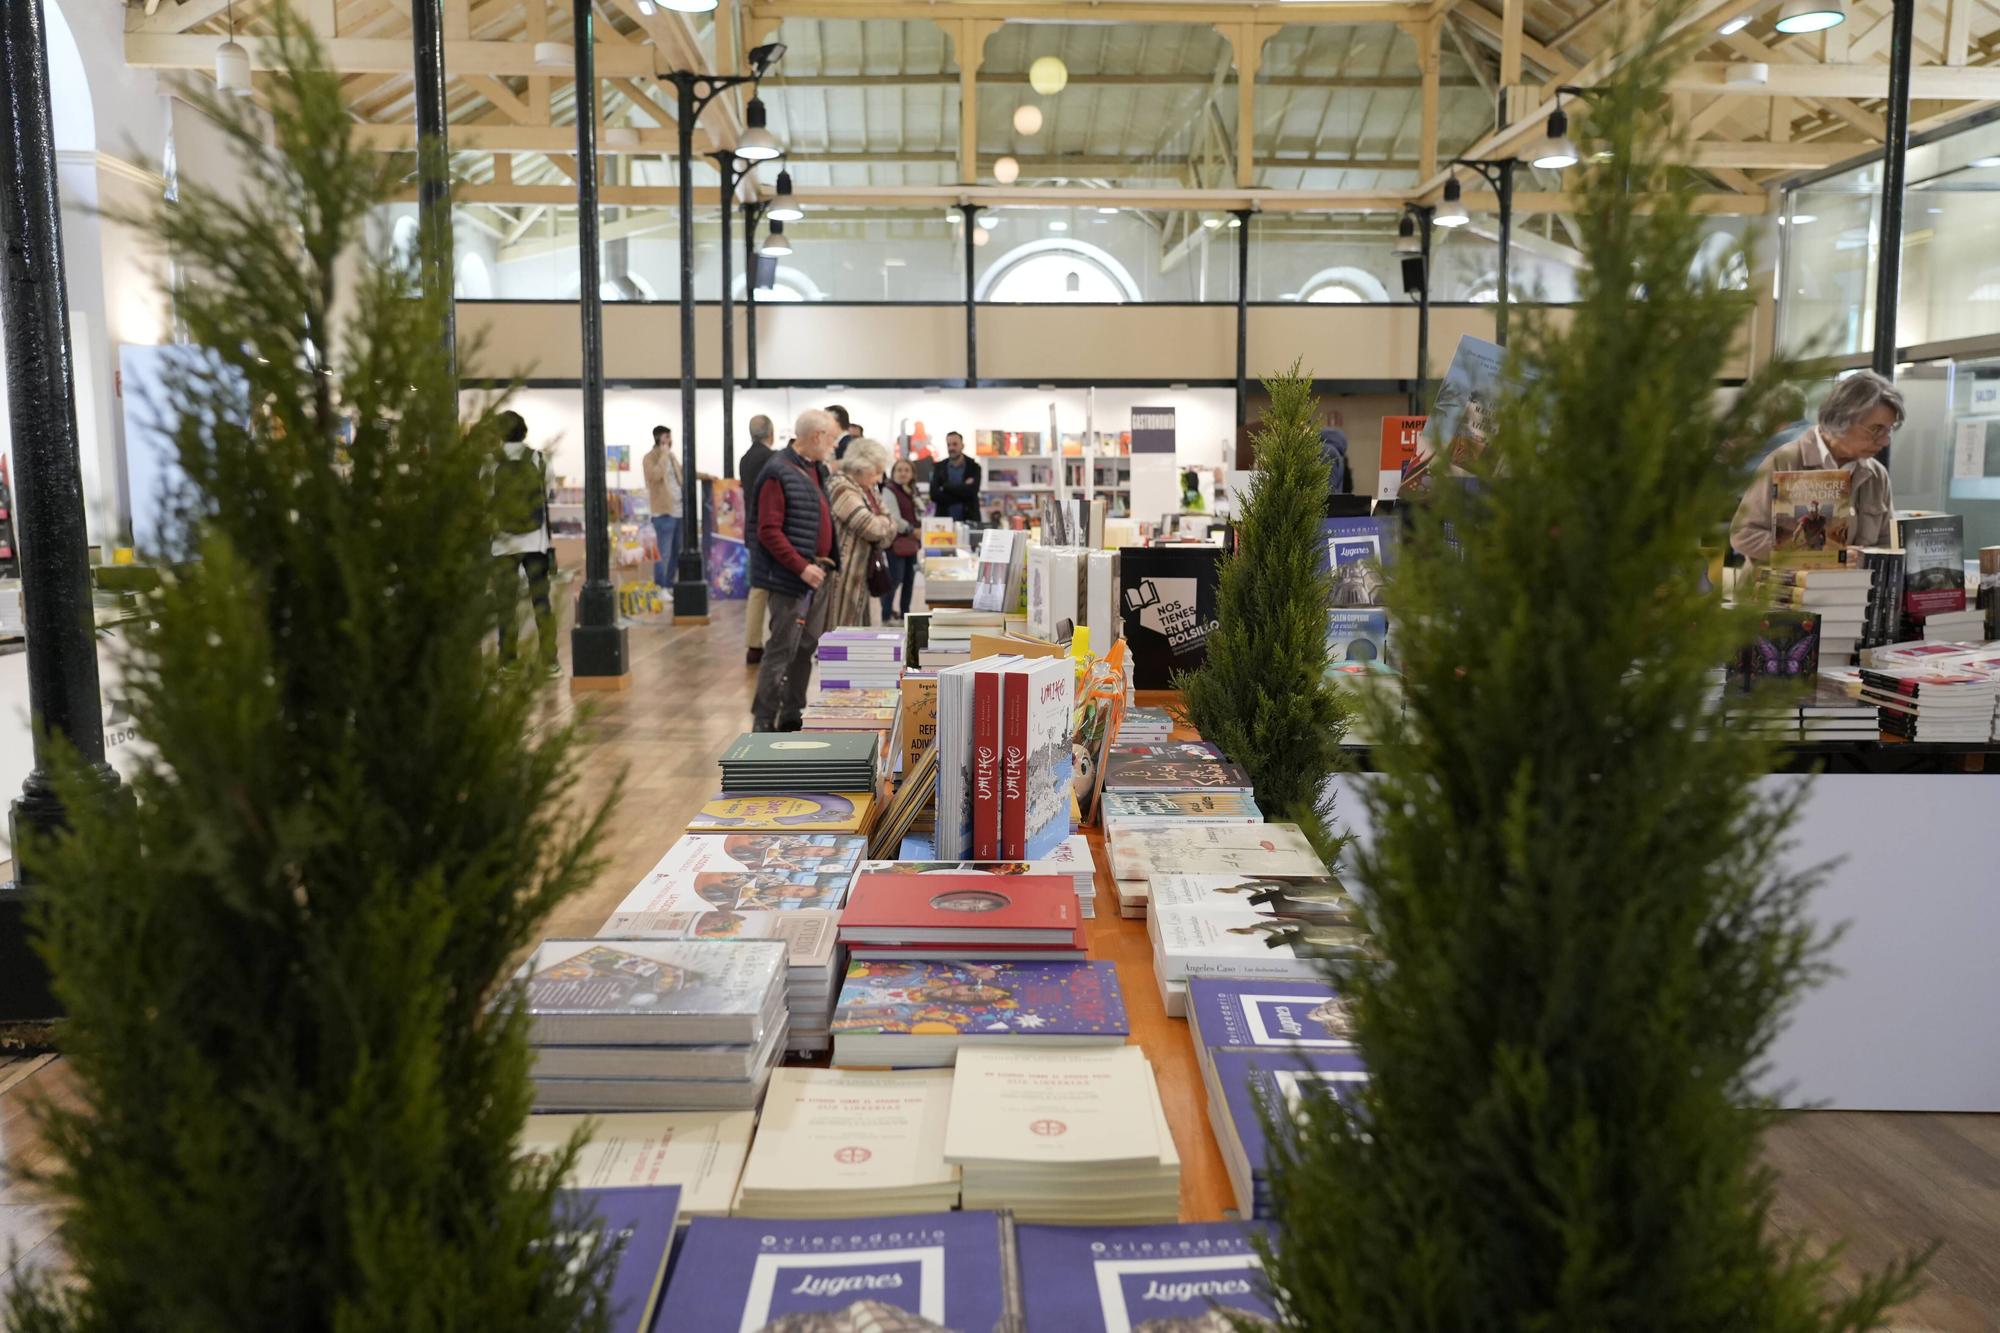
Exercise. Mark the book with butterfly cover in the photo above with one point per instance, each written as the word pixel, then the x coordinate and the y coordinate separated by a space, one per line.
pixel 1783 652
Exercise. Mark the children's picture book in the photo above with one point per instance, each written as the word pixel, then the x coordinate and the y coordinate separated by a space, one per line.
pixel 1193 1276
pixel 749 872
pixel 1812 516
pixel 802 812
pixel 682 992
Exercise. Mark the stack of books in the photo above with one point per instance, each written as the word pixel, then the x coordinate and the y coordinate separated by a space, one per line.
pixel 1189 1278
pixel 635 1225
pixel 654 1025
pixel 853 710
pixel 1933 574
pixel 1244 926
pixel 859 659
pixel 1172 766
pixel 1142 725
pixel 1967 626
pixel 762 763
pixel 1122 812
pixel 1004 758
pixel 942 637
pixel 1243 849
pixel 963 917
pixel 899 1014
pixel 1833 712
pixel 851 1143
pixel 792 812
pixel 1842 596
pixel 1246 1079
pixel 950 578
pixel 1063 1136
pixel 1073 858
pixel 699 1152
pixel 917 1273
pixel 1943 702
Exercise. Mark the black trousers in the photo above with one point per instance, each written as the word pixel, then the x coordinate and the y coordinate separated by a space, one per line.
pixel 507 571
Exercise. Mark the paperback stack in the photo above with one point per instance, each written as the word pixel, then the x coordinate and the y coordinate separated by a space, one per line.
pixel 762 763
pixel 919 1015
pixel 701 1152
pixel 942 638
pixel 1072 858
pixel 749 886
pixel 950 578
pixel 1063 1136
pixel 1840 595
pixel 963 918
pixel 1834 713
pixel 1192 1278
pixel 1246 926
pixel 1005 764
pixel 853 710
pixel 1124 811
pixel 1243 1081
pixel 1243 849
pixel 1967 626
pixel 1940 703
pixel 1172 766
pixel 851 1143
pixel 654 1025
pixel 859 659
pixel 1142 725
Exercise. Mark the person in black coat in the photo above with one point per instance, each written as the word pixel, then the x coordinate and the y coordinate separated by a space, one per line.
pixel 955 482
pixel 750 468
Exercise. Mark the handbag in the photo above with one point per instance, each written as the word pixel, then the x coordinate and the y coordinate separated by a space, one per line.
pixel 879 579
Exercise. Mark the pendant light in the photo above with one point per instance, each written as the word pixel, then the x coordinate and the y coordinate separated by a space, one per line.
pixel 1555 152
pixel 758 144
pixel 784 208
pixel 1452 212
pixel 1406 237
pixel 688 6
pixel 1048 76
pixel 1811 15
pixel 1006 170
pixel 1027 118
pixel 232 63
pixel 775 245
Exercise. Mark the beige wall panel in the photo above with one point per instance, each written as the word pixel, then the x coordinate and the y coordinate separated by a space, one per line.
pixel 1107 343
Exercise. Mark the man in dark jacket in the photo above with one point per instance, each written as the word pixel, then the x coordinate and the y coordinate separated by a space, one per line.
pixel 750 468
pixel 790 554
pixel 955 482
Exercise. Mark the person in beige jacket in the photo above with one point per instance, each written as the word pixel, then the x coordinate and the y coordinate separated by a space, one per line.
pixel 663 497
pixel 1855 423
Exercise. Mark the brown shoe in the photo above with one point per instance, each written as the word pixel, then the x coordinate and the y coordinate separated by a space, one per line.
pixel 753 657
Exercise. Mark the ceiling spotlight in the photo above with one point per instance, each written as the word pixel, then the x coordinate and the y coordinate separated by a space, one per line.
pixel 981 236
pixel 1451 213
pixel 1797 220
pixel 648 8
pixel 1811 15
pixel 758 144
pixel 1211 223
pixel 1235 221
pixel 1048 76
pixel 1406 237
pixel 1006 170
pixel 689 6
pixel 1057 224
pixel 1027 119
pixel 784 208
pixel 1556 152
pixel 555 55
pixel 775 245
pixel 1734 26
pixel 763 57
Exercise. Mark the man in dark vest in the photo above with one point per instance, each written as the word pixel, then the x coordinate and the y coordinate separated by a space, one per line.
pixel 750 468
pixel 791 555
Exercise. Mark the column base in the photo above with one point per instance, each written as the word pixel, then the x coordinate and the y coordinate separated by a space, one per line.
pixel 598 653
pixel 26 996
pixel 691 591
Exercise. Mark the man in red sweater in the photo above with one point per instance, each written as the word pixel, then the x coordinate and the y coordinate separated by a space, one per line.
pixel 789 558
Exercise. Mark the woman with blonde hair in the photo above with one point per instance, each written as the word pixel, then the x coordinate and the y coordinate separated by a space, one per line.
pixel 862 531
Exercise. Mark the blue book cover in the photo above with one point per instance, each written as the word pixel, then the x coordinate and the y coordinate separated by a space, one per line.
pixel 922 1273
pixel 996 998
pixel 1127 1279
pixel 639 1220
pixel 1357 636
pixel 1359 551
pixel 1306 1015
pixel 1279 1079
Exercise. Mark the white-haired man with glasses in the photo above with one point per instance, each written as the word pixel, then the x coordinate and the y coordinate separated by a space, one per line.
pixel 1855 423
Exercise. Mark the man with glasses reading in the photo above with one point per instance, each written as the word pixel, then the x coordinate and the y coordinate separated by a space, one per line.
pixel 1855 423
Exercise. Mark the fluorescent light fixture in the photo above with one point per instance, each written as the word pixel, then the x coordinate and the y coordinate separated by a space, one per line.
pixel 1734 26
pixel 1556 152
pixel 758 144
pixel 1811 15
pixel 1108 211
pixel 784 208
pixel 1451 213
pixel 1798 220
pixel 775 245
pixel 689 6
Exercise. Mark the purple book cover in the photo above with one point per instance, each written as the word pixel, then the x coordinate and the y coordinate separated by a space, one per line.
pixel 1305 1014
pixel 923 1273
pixel 859 652
pixel 639 1220
pixel 1045 999
pixel 1122 1279
pixel 1281 1079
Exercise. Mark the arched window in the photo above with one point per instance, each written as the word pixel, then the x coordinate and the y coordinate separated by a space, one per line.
pixel 403 239
pixel 1484 293
pixel 1057 271
pixel 472 280
pixel 1334 293
pixel 1343 286
pixel 790 286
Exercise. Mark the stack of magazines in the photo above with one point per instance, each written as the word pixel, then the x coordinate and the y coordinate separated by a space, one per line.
pixel 767 762
pixel 654 1025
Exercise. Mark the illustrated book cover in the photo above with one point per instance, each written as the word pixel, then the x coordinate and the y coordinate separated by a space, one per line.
pixel 1359 553
pixel 799 812
pixel 1210 942
pixel 678 992
pixel 1036 760
pixel 1933 563
pixel 1129 1279
pixel 1357 636
pixel 1230 1011
pixel 989 999
pixel 1784 651
pixel 1812 516
pixel 808 933
pixel 749 872
pixel 1127 772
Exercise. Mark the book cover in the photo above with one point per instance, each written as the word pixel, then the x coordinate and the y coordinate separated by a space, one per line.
pixel 1167 599
pixel 1166 749
pixel 1052 1107
pixel 908 909
pixel 1784 650
pixel 1066 576
pixel 783 750
pixel 1359 552
pixel 1249 849
pixel 802 812
pixel 1230 1011
pixel 1126 772
pixel 1281 1081
pixel 637 1222
pixel 1357 636
pixel 808 934
pixel 749 872
pixel 920 718
pixel 1402 441
pixel 1157 1279
pixel 998 549
pixel 834 1130
pixel 1322 900
pixel 989 704
pixel 1122 807
pixel 1037 763
pixel 1041 591
pixel 918 1273
pixel 1933 563
pixel 1045 999
pixel 657 981
pixel 1101 600
pixel 954 741
pixel 1812 516
pixel 701 1152
pixel 1212 942
pixel 1071 857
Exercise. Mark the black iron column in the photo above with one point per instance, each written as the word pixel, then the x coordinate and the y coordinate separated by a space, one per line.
pixel 597 644
pixel 433 164
pixel 1895 155
pixel 726 168
pixel 63 699
pixel 751 212
pixel 1419 395
pixel 970 212
pixel 1243 216
pixel 1505 189
pixel 690 581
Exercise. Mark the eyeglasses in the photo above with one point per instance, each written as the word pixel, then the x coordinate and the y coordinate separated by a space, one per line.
pixel 1881 434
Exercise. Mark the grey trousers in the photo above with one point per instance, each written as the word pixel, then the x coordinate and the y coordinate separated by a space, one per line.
pixel 786 671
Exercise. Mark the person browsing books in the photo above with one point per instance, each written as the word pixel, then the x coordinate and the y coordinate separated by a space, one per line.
pixel 751 469
pixel 790 559
pixel 1855 424
pixel 863 528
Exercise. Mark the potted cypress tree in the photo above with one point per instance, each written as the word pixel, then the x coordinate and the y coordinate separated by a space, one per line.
pixel 1262 693
pixel 297 1104
pixel 1588 940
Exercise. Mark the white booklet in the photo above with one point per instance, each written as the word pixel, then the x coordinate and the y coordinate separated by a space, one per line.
pixel 700 1151
pixel 836 1130
pixel 1053 1108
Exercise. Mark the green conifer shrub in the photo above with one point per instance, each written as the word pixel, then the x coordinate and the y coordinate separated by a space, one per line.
pixel 1262 693
pixel 1588 940
pixel 296 1109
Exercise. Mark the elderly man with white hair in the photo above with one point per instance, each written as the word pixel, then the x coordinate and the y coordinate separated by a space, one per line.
pixel 791 555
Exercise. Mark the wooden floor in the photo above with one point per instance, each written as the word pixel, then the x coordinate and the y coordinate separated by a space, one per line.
pixel 1888 1183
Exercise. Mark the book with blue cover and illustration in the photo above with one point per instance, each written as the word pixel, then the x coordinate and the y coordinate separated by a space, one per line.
pixel 1127 1279
pixel 639 1221
pixel 912 1014
pixel 1359 552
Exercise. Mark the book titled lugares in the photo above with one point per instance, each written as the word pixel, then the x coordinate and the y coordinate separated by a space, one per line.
pixel 916 1273
pixel 1196 1276
pixel 1812 516
pixel 636 1223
